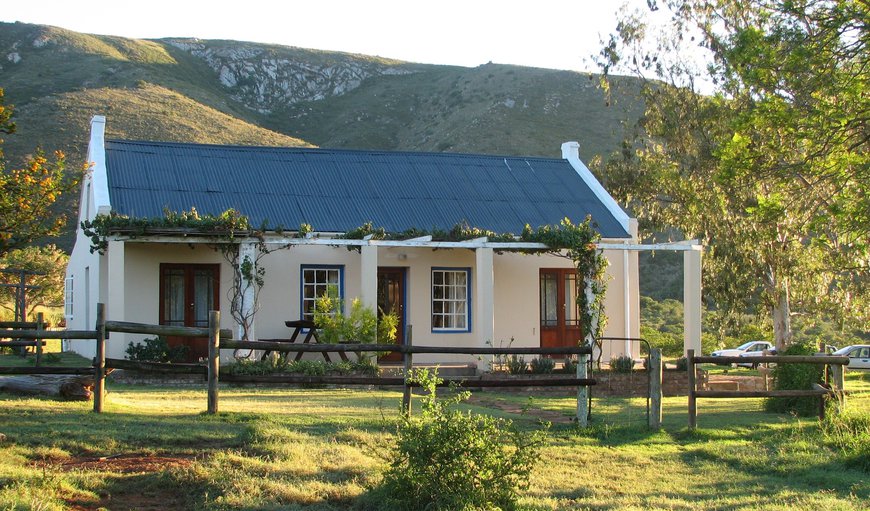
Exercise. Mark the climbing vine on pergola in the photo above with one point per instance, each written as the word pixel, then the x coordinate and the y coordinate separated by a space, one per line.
pixel 577 242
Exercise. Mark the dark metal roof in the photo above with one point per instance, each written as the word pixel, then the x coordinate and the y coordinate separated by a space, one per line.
pixel 339 190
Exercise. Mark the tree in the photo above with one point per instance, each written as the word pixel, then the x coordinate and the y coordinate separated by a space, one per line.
pixel 28 193
pixel 49 263
pixel 769 167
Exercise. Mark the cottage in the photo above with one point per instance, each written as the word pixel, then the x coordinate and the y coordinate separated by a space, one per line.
pixel 467 293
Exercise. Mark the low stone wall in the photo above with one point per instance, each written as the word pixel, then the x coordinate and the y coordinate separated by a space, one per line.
pixel 636 383
pixel 130 377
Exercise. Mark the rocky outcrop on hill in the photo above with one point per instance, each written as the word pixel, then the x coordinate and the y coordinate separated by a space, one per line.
pixel 264 78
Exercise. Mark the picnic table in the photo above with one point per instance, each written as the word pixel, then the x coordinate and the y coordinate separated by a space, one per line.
pixel 299 327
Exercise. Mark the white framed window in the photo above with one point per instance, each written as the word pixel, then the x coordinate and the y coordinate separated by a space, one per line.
pixel 318 281
pixel 68 289
pixel 451 300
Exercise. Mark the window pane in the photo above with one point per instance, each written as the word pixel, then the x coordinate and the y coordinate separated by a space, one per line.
pixel 549 316
pixel 449 299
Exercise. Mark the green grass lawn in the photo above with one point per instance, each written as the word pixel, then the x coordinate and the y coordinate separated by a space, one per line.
pixel 324 449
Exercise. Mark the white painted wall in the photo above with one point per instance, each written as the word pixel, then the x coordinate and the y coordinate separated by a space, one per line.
pixel 516 291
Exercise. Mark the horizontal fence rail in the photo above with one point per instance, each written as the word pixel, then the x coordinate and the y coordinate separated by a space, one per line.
pixel 397 381
pixel 156 367
pixel 49 334
pixel 179 331
pixel 401 348
pixel 46 370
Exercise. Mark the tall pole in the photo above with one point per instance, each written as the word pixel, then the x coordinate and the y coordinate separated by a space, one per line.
pixel 100 360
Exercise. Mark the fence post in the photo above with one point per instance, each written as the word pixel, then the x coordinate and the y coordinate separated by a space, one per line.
pixel 408 360
pixel 100 360
pixel 39 327
pixel 693 408
pixel 655 388
pixel 582 391
pixel 214 359
pixel 838 383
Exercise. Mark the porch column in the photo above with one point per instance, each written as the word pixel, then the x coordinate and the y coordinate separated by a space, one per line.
pixel 484 302
pixel 247 290
pixel 369 276
pixel 115 296
pixel 692 300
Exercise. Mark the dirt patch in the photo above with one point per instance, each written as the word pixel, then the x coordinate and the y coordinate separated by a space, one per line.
pixel 128 463
pixel 531 413
pixel 134 485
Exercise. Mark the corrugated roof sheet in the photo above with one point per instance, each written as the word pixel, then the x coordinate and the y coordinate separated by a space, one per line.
pixel 339 190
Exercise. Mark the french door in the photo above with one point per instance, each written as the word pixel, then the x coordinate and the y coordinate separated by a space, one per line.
pixel 560 317
pixel 391 298
pixel 187 293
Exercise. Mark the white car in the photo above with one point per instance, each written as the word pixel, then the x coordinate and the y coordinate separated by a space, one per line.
pixel 859 355
pixel 747 349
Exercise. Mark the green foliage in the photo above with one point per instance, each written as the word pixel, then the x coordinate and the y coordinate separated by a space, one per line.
pixel 622 364
pixel 452 460
pixel 542 365
pixel 227 225
pixel 770 169
pixel 28 193
pixel 50 264
pixel 682 364
pixel 569 365
pixel 279 365
pixel 156 350
pixel 796 377
pixel 516 364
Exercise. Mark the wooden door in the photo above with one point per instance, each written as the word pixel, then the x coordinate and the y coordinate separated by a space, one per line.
pixel 187 293
pixel 560 318
pixel 391 298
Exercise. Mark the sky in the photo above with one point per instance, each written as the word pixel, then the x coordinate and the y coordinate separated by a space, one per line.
pixel 552 34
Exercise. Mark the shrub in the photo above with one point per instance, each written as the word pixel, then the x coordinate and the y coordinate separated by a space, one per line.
pixel 569 366
pixel 304 367
pixel 156 350
pixel 543 365
pixel 682 364
pixel 796 377
pixel 622 364
pixel 450 460
pixel 516 364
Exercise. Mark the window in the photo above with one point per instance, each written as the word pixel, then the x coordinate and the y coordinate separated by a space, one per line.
pixel 318 281
pixel 450 300
pixel 68 297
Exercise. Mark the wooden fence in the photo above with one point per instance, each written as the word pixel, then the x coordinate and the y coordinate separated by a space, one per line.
pixel 222 339
pixel 23 344
pixel 836 365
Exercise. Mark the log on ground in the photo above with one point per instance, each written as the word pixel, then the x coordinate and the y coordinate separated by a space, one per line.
pixel 65 386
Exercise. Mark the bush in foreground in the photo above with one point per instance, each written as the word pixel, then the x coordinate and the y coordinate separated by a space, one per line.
pixel 447 459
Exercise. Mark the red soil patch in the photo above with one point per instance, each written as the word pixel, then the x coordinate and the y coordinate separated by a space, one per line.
pixel 132 465
pixel 128 463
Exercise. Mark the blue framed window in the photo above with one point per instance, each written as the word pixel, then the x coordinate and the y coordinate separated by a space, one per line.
pixel 317 281
pixel 451 299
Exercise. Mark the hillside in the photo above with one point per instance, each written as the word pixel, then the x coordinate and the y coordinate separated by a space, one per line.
pixel 229 92
pixel 237 92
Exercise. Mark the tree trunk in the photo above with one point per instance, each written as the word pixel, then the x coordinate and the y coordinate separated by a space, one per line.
pixel 781 315
pixel 73 387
